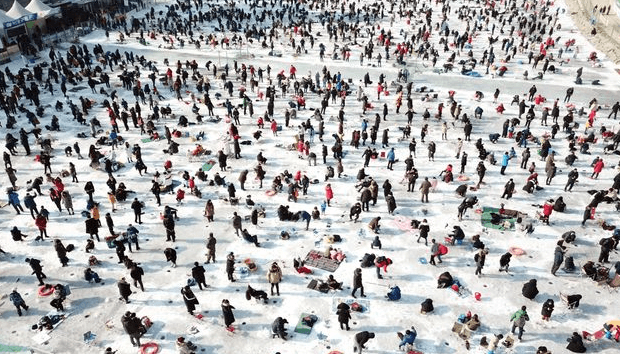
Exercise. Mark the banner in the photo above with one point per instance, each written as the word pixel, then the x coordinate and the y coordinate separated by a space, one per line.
pixel 20 20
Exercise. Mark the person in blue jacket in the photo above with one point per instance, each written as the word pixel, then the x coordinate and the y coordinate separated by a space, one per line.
pixel 306 217
pixel 505 160
pixel 31 204
pixel 391 157
pixel 407 338
pixel 14 201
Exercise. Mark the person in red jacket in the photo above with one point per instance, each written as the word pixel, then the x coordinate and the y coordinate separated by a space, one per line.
pixel 41 223
pixel 382 262
pixel 274 127
pixel 598 167
pixel 547 210
pixel 180 195
pixel 329 194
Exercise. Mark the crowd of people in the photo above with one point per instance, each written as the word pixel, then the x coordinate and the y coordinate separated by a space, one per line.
pixel 138 105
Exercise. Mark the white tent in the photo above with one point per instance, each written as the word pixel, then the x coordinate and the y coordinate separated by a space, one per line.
pixel 38 7
pixel 17 11
pixel 4 18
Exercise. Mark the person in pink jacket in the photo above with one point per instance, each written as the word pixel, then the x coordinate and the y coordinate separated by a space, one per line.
pixel 329 194
pixel 598 167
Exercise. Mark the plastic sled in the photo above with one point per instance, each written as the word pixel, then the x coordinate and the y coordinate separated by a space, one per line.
pixel 422 260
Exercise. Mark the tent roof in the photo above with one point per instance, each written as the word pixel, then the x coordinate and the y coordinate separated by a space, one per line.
pixel 37 6
pixel 17 11
pixel 4 18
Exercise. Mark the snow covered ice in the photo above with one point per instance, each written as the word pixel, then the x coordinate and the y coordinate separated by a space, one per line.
pixel 96 307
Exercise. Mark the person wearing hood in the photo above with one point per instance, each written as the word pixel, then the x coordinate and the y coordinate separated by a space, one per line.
pixel 277 327
pixel 274 276
pixel 547 309
pixel 530 290
pixel 575 344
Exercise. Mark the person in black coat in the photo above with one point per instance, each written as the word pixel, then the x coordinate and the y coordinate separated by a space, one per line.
pixel 427 306
pixel 360 339
pixel 92 227
pixel 344 315
pixel 190 299
pixel 277 327
pixel 132 325
pixel 530 290
pixel 198 273
pixel 575 344
pixel 137 210
pixel 90 190
pixel 124 290
pixel 136 273
pixel 547 309
pixel 424 230
pixel 504 261
pixel 229 317
pixel 230 266
pixel 171 256
pixel 37 269
pixel 120 250
pixel 357 282
pixel 169 225
pixel 61 252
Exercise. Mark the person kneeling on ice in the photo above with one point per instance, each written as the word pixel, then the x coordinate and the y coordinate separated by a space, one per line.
pixel 427 306
pixel 408 338
pixel 394 294
pixel 575 344
pixel 298 264
pixel 277 327
pixel 374 224
pixel 185 347
pixel 90 276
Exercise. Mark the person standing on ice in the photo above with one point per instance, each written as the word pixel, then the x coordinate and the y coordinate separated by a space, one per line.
pixel 229 317
pixel 357 282
pixel 230 266
pixel 505 160
pixel 518 320
pixel 558 257
pixel 274 276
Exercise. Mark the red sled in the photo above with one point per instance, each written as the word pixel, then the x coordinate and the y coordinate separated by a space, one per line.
pixel 443 250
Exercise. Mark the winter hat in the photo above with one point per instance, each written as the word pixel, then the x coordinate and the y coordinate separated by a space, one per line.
pixel 180 339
